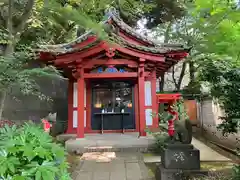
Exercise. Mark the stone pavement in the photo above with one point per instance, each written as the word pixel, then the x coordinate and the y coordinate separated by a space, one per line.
pixel 111 166
pixel 130 142
pixel 108 142
pixel 207 154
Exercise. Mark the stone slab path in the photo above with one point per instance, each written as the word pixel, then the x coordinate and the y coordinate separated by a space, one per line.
pixel 108 142
pixel 111 166
pixel 207 154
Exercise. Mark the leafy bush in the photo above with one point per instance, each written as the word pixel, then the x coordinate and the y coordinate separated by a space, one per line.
pixel 223 76
pixel 161 140
pixel 236 172
pixel 236 168
pixel 212 176
pixel 28 153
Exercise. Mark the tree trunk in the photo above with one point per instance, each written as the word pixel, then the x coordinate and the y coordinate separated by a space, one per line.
pixel 2 102
pixel 8 51
pixel 166 40
pixel 14 33
pixel 191 71
pixel 161 83
pixel 178 83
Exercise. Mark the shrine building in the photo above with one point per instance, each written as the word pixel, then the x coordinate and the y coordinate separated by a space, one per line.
pixel 112 83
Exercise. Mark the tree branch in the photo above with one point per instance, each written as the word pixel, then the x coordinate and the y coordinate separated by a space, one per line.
pixel 25 16
pixel 9 48
pixel 181 75
pixel 162 82
pixel 173 76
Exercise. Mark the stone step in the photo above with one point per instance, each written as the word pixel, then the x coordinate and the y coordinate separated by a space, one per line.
pixel 80 150
pixel 116 149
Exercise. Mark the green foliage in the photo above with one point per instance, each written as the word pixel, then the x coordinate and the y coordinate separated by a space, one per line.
pixel 224 79
pixel 218 22
pixel 3 37
pixel 18 72
pixel 57 21
pixel 219 62
pixel 236 172
pixel 236 168
pixel 162 138
pixel 28 153
pixel 162 11
pixel 212 28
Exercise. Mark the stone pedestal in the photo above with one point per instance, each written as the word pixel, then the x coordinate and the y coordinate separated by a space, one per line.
pixel 183 156
pixel 178 161
pixel 177 174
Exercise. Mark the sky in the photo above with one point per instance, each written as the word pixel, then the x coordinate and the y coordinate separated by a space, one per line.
pixel 142 30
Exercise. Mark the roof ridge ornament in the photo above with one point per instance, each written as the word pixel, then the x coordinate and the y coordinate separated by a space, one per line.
pixel 111 11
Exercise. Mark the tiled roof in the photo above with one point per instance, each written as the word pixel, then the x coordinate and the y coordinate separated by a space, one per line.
pixel 153 47
pixel 155 50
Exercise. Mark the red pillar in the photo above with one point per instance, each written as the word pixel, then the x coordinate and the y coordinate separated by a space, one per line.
pixel 80 103
pixel 70 106
pixel 154 99
pixel 141 95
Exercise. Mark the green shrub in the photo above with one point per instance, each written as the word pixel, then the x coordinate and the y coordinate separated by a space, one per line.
pixel 236 168
pixel 28 153
pixel 161 140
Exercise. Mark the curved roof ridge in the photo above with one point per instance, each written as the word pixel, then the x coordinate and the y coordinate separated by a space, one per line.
pixel 112 14
pixel 69 44
pixel 158 49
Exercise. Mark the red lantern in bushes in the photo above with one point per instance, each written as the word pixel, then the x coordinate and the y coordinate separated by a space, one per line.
pixel 6 122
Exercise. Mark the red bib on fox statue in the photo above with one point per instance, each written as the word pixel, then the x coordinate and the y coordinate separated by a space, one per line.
pixel 46 125
pixel 171 129
pixel 169 100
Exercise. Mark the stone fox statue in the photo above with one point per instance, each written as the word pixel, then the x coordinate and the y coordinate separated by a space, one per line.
pixel 59 116
pixel 181 131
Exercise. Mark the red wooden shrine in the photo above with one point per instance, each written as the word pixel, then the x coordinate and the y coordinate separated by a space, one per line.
pixel 89 62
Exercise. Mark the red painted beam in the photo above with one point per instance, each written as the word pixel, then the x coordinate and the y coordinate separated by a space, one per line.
pixel 46 56
pixel 82 54
pixel 168 97
pixel 91 51
pixel 146 74
pixel 62 61
pixel 177 55
pixel 91 62
pixel 150 57
pixel 110 75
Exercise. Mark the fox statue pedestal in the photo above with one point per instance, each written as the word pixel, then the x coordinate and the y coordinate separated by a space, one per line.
pixel 183 156
pixel 177 161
